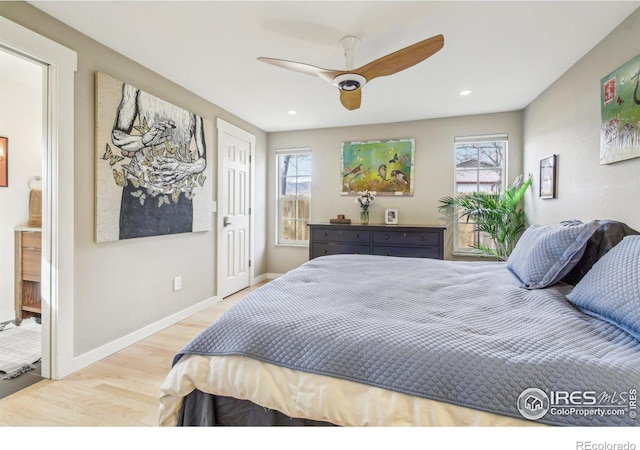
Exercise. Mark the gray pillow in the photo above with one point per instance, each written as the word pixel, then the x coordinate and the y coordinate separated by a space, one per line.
pixel 611 289
pixel 544 254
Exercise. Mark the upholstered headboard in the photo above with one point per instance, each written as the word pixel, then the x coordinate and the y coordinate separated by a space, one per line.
pixel 606 236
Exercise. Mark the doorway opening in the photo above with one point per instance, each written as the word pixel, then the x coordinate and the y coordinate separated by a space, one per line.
pixel 23 121
pixel 57 145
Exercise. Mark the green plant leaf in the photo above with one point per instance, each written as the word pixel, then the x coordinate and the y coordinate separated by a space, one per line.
pixel 499 215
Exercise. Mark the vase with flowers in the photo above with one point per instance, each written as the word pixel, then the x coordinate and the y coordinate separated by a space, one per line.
pixel 364 199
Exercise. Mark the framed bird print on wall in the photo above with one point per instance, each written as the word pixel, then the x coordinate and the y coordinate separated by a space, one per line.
pixel 380 167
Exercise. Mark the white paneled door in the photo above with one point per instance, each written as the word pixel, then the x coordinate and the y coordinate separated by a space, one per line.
pixel 235 148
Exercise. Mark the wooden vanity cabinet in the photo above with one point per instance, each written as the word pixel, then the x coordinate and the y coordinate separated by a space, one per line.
pixel 28 252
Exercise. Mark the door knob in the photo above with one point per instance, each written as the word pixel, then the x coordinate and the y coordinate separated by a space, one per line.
pixel 226 220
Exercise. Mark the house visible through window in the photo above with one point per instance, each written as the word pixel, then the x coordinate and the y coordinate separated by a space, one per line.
pixel 294 196
pixel 480 167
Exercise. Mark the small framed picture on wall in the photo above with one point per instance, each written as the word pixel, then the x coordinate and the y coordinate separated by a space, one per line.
pixel 4 162
pixel 548 176
pixel 391 216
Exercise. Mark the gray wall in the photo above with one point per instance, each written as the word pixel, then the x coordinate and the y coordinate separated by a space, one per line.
pixel 434 168
pixel 121 287
pixel 565 120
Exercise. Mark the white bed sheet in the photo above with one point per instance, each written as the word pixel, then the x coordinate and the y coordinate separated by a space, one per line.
pixel 317 397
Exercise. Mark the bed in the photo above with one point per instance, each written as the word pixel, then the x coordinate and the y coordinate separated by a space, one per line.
pixel 361 340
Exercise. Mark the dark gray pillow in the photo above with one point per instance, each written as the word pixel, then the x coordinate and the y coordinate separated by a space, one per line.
pixel 606 236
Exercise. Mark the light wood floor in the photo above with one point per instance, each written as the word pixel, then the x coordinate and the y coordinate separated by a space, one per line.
pixel 120 390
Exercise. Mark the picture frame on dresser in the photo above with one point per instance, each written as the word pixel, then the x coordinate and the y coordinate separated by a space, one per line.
pixel 391 216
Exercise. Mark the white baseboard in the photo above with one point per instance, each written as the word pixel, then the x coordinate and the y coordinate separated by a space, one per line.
pixel 115 346
pixel 264 277
pixel 273 276
pixel 258 279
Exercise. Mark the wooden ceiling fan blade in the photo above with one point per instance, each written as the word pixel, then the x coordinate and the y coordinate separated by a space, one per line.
pixel 401 59
pixel 351 99
pixel 308 69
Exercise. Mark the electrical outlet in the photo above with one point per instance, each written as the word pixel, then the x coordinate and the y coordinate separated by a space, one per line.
pixel 177 283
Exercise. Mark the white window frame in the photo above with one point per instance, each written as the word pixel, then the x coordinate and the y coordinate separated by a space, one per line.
pixel 503 137
pixel 279 198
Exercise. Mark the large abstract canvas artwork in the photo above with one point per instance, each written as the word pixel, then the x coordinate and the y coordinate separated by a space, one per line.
pixel 151 171
pixel 381 167
pixel 620 113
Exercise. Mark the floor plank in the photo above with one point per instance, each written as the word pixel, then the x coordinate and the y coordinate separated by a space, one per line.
pixel 120 390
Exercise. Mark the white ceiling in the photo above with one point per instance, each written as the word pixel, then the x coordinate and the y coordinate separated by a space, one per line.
pixel 508 52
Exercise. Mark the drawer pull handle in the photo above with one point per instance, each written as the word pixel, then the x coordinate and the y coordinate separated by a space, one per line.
pixel 357 235
pixel 326 234
pixel 424 238
pixel 386 236
pixel 404 234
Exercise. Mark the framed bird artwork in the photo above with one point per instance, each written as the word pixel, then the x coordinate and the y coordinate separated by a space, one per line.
pixel 380 167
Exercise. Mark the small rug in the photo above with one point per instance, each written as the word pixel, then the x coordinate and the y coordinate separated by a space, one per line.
pixel 20 347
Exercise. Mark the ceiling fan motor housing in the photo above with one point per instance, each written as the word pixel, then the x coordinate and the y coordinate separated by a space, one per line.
pixel 349 81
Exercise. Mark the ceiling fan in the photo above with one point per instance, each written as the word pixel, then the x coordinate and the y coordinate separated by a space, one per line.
pixel 351 81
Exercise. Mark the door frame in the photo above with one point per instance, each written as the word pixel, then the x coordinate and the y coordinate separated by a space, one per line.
pixel 57 280
pixel 228 128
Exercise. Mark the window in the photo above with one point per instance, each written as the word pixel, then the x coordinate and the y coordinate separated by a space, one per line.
pixel 480 167
pixel 294 196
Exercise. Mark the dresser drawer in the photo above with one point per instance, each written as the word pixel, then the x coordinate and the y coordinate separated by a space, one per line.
pixel 31 264
pixel 31 239
pixel 406 237
pixel 321 249
pixel 407 252
pixel 411 241
pixel 355 236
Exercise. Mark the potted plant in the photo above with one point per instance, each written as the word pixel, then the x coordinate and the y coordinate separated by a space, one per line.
pixel 500 215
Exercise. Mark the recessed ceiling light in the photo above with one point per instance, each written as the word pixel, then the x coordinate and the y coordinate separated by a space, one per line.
pixel 292 112
pixel 465 92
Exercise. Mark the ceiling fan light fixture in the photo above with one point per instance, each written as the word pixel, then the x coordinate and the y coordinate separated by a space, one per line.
pixel 349 81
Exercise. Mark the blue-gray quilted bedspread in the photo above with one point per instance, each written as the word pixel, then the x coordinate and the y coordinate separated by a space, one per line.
pixel 459 332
